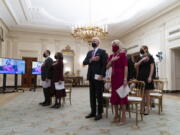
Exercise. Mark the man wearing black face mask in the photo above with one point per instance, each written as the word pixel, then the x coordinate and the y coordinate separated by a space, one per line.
pixel 45 77
pixel 96 60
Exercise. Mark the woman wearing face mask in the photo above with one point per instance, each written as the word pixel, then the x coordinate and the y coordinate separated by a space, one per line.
pixel 57 76
pixel 118 62
pixel 145 68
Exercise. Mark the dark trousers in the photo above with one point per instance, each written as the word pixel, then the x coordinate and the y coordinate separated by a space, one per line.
pixel 96 98
pixel 47 95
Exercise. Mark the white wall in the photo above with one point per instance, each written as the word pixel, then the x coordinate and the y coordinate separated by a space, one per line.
pixel 3 45
pixel 26 44
pixel 155 35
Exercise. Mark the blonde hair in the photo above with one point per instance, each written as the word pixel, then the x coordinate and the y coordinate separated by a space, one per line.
pixel 117 42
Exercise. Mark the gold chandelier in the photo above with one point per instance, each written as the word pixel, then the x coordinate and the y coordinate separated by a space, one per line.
pixel 87 32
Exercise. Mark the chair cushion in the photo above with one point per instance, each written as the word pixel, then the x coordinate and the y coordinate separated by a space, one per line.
pixel 132 92
pixel 156 94
pixel 131 98
pixel 68 91
pixel 106 95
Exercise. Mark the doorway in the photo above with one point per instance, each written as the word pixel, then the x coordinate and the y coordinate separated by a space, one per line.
pixel 28 78
pixel 177 67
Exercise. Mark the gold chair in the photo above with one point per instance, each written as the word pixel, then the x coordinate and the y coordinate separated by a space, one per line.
pixel 107 96
pixel 157 93
pixel 68 88
pixel 137 97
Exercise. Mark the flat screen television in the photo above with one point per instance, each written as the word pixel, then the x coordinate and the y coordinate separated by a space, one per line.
pixel 36 67
pixel 12 66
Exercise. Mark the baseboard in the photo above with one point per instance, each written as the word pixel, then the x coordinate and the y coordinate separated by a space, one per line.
pixel 171 91
pixel 18 87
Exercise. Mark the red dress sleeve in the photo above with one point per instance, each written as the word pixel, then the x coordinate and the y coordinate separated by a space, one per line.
pixel 125 60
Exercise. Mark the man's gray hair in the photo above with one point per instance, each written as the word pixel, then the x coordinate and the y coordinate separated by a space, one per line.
pixel 96 38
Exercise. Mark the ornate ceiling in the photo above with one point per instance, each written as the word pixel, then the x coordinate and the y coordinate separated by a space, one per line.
pixel 59 16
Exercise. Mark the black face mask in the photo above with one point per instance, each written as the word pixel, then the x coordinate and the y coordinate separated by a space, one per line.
pixel 44 55
pixel 141 51
pixel 94 45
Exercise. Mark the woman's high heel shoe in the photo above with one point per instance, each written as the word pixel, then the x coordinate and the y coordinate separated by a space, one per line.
pixel 54 106
pixel 115 120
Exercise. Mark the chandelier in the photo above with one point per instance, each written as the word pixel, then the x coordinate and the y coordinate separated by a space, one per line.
pixel 88 31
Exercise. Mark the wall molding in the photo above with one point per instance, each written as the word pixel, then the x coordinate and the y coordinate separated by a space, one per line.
pixel 151 19
pixel 4 24
pixel 171 91
pixel 173 33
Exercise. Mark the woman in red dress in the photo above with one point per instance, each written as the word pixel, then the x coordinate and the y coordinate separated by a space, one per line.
pixel 57 76
pixel 118 62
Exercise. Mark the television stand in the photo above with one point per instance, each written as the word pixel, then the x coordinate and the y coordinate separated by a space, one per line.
pixel 16 84
pixel 4 87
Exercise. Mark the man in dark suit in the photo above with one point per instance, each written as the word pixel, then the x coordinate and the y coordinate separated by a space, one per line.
pixel 45 69
pixel 96 60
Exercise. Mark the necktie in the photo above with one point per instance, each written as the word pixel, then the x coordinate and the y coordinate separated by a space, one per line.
pixel 93 53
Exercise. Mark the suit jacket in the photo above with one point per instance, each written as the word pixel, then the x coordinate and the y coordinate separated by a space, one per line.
pixel 45 73
pixel 96 67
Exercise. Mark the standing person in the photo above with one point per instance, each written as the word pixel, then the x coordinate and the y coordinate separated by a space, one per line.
pixel 96 60
pixel 145 67
pixel 131 68
pixel 118 62
pixel 45 77
pixel 57 76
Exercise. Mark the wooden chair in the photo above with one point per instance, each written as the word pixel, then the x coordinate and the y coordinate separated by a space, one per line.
pixel 68 87
pixel 157 93
pixel 136 98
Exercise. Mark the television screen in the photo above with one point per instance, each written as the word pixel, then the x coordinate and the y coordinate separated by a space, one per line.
pixel 12 66
pixel 36 67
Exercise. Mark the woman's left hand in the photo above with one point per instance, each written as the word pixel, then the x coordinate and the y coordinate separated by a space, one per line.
pixel 125 83
pixel 149 79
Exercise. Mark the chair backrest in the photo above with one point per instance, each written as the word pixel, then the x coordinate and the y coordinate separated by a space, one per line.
pixel 107 86
pixel 68 84
pixel 138 88
pixel 158 85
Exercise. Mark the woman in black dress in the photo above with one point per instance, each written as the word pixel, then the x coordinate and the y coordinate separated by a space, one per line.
pixel 145 68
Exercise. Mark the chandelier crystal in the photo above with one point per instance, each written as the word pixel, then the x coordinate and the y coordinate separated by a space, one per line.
pixel 87 32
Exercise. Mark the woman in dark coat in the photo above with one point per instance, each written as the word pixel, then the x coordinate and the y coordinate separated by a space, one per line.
pixel 57 77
